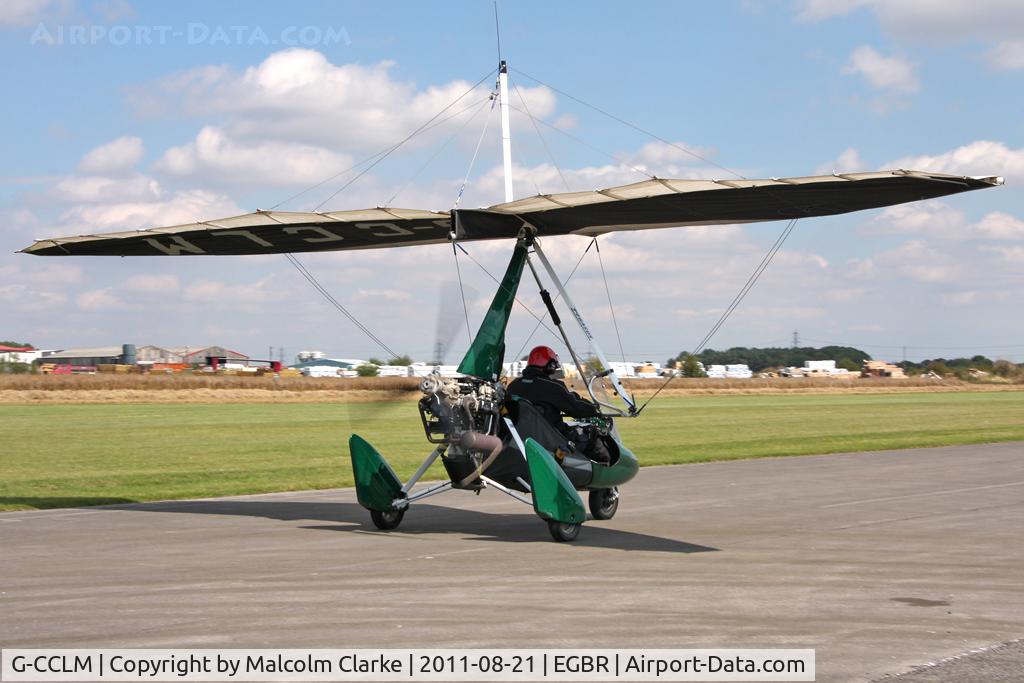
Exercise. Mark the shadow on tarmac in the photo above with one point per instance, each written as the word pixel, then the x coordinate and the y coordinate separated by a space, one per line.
pixel 425 519
pixel 51 502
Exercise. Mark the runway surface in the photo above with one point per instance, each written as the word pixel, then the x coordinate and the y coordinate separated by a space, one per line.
pixel 881 561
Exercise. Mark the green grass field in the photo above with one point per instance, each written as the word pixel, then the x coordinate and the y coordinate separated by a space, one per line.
pixel 63 455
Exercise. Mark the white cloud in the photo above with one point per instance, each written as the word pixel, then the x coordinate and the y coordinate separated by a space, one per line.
pixel 98 300
pixel 381 295
pixel 297 95
pixel 937 220
pixel 217 158
pixel 1007 55
pixel 658 157
pixel 247 296
pixel 982 157
pixel 24 12
pixel 92 189
pixel 152 284
pixel 117 155
pixel 936 21
pixel 1008 254
pixel 1000 226
pixel 848 161
pixel 932 218
pixel 173 209
pixel 893 74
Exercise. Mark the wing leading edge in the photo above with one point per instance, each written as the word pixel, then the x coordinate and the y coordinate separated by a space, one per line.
pixel 657 203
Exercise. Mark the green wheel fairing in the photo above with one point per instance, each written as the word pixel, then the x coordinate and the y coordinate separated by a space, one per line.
pixel 554 497
pixel 377 486
pixel 624 469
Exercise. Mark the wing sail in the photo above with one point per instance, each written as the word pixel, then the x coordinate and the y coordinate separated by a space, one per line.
pixel 657 203
pixel 661 203
pixel 263 232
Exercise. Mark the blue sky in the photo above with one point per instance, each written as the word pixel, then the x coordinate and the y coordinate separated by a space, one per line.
pixel 127 114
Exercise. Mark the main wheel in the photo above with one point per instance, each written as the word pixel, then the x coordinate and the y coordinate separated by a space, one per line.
pixel 563 532
pixel 604 502
pixel 387 520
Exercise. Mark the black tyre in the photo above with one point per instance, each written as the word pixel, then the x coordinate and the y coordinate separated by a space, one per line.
pixel 563 532
pixel 604 502
pixel 387 520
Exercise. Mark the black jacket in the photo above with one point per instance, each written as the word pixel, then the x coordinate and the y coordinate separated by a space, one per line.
pixel 550 396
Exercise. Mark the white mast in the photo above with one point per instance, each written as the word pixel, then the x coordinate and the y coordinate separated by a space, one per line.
pixel 506 133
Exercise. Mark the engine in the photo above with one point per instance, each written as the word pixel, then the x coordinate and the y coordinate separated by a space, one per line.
pixel 451 407
pixel 462 414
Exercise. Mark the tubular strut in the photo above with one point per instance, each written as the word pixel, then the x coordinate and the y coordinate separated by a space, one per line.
pixel 608 372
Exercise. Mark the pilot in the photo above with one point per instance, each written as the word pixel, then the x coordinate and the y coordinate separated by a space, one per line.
pixel 552 398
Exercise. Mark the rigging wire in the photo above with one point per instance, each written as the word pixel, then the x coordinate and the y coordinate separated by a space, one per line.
pixel 747 286
pixel 544 142
pixel 480 141
pixel 410 136
pixel 334 302
pixel 462 290
pixel 540 321
pixel 442 147
pixel 587 144
pixel 372 157
pixel 497 29
pixel 611 307
pixel 633 126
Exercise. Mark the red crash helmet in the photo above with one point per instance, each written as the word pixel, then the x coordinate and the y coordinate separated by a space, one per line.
pixel 541 356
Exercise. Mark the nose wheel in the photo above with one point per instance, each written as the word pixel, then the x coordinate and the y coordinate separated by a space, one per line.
pixel 387 520
pixel 604 502
pixel 562 532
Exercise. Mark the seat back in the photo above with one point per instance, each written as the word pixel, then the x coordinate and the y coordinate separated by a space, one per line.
pixel 530 423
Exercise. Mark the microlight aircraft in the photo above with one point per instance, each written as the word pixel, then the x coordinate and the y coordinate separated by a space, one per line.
pixel 484 437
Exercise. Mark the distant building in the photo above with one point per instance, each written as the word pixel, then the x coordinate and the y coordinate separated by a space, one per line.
pixel 96 355
pixel 18 354
pixel 880 368
pixel 816 369
pixel 735 371
pixel 197 355
pixel 329 367
pixel 424 369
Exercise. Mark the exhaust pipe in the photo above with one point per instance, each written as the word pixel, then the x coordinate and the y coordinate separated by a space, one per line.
pixel 475 441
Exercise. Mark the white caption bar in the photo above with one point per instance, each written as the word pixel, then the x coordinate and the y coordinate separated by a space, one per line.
pixel 411 664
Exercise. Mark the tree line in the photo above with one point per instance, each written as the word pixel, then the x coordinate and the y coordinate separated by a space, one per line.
pixel 760 359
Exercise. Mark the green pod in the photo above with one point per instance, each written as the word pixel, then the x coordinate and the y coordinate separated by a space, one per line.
pixel 554 497
pixel 377 486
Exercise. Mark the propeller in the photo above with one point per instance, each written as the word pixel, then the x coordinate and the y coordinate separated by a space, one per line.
pixel 451 318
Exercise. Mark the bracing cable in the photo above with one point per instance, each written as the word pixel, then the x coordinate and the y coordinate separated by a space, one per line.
pixel 633 126
pixel 543 142
pixel 536 317
pixel 611 307
pixel 462 291
pixel 540 321
pixel 481 104
pixel 587 144
pixel 747 286
pixel 386 153
pixel 334 302
pixel 386 150
pixel 476 152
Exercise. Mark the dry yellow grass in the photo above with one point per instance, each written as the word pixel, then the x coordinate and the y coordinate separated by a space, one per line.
pixel 189 381
pixel 111 388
